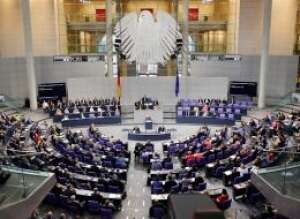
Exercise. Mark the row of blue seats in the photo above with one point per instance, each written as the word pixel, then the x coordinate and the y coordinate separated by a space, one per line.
pixel 91 206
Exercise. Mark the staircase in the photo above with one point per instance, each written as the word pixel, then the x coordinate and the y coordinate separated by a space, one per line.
pixel 169 114
pixel 288 105
pixel 127 114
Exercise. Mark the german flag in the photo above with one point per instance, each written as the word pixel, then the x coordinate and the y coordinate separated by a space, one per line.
pixel 118 86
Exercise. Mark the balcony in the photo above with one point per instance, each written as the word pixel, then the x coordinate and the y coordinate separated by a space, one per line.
pixel 93 22
pixel 23 191
pixel 87 22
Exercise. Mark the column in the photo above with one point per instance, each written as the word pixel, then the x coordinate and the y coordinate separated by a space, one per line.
pixel 62 28
pixel 233 26
pixel 174 9
pixel 31 79
pixel 264 58
pixel 56 23
pixel 185 37
pixel 109 43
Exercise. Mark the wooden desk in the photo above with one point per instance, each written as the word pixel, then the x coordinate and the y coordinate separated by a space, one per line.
pixel 239 190
pixel 106 195
pixel 160 197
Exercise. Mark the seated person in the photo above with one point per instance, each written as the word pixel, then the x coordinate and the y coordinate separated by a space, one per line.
pixel 222 198
pixel 58 112
pixel 198 156
pixel 136 130
pixel 96 195
pixel 157 205
pixel 110 205
pixel 138 148
pixel 242 169
pixel 170 182
pixel 76 111
pixel 75 202
pixel 167 159
pixel 188 158
pixel 161 129
pixel 45 106
pixel 156 165
pixel 137 105
pixel 198 179
pixel 70 191
pixel 66 111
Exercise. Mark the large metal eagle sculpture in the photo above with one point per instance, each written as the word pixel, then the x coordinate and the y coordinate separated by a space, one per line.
pixel 147 38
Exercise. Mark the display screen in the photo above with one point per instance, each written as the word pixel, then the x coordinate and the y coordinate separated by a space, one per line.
pixel 243 88
pixel 52 91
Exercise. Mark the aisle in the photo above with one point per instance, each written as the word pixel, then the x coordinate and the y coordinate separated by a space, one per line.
pixel 137 203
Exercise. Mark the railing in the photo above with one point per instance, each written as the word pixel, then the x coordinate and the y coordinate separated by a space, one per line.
pixel 87 18
pixel 12 103
pixel 194 48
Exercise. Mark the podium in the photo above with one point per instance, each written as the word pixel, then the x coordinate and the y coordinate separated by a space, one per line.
pixel 155 115
pixel 148 124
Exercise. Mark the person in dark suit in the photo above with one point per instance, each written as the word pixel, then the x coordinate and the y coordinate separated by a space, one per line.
pixel 170 182
pixel 96 196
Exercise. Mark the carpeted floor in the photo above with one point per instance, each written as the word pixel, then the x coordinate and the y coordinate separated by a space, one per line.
pixel 138 201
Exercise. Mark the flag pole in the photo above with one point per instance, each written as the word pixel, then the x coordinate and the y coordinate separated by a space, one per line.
pixel 118 86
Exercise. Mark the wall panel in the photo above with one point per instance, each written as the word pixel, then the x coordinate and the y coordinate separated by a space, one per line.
pixel 162 88
pixel 281 77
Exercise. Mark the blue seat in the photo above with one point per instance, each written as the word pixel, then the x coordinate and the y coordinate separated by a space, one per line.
pixel 62 179
pixel 73 207
pixel 246 160
pixel 225 205
pixel 231 116
pixel 107 163
pixel 156 184
pixel 255 197
pixel 228 110
pixel 222 115
pixel 175 189
pixel 238 180
pixel 156 212
pixel 113 189
pixel 211 158
pixel 120 164
pixel 246 176
pixel 106 213
pixel 219 172
pixel 220 155
pixel 93 207
pixel 118 147
pixel 200 187
pixel 220 110
pixel 156 165
pixel 52 199
pixel 157 190
pixel 201 162
pixel 168 165
pixel 63 201
pixel 190 163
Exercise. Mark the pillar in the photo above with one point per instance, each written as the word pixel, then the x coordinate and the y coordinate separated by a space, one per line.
pixel 56 23
pixel 185 37
pixel 233 26
pixel 62 29
pixel 174 9
pixel 264 58
pixel 109 43
pixel 30 71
